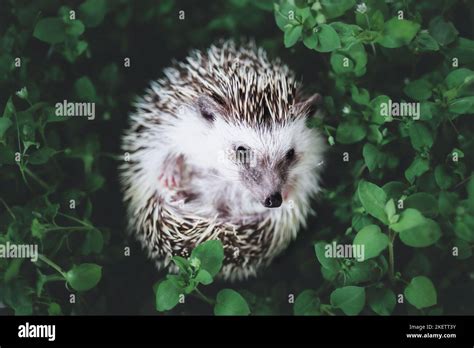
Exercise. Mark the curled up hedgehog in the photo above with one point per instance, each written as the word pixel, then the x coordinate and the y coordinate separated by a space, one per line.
pixel 219 149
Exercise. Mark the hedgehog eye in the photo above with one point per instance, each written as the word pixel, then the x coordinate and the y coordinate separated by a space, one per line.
pixel 207 115
pixel 290 155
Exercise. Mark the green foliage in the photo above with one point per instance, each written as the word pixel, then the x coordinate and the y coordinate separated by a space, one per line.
pixel 84 277
pixel 307 303
pixel 201 267
pixel 403 192
pixel 230 302
pixel 421 292
pixel 349 299
pixel 400 186
pixel 373 240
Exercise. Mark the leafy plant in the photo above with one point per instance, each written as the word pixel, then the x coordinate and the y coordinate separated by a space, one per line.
pixel 401 187
pixel 199 269
pixel 409 208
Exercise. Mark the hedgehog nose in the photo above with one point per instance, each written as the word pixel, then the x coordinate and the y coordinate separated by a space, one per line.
pixel 273 201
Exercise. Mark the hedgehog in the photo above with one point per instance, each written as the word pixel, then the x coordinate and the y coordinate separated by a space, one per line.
pixel 220 148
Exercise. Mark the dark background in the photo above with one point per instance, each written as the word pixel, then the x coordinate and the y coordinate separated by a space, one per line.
pixel 151 35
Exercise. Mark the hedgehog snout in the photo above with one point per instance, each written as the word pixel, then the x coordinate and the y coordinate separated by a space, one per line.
pixel 273 201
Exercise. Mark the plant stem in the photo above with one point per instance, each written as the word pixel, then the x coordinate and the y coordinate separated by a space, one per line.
pixel 204 297
pixel 63 228
pixel 76 220
pixel 52 264
pixel 326 309
pixel 8 208
pixel 391 257
pixel 37 178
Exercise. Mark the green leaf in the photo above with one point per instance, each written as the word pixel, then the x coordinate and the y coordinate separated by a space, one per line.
pixel 373 240
pixel 372 156
pixel 336 8
pixel 38 230
pixel 94 242
pixel 92 12
pixel 349 132
pixel 447 203
pixel 182 263
pixel 84 277
pixel 442 31
pixel 381 300
pixel 328 40
pixel 54 309
pixel 307 303
pixel 18 295
pixel 351 59
pixel 41 156
pixel 398 32
pixel 464 227
pixel 425 42
pixel 94 182
pixel 203 277
pixel 350 299
pixel 464 105
pixel 211 255
pixel 381 112
pixel 422 235
pixel 75 27
pixel 167 295
pixel 50 30
pixel 292 35
pixel 341 63
pixel 362 272
pixel 470 192
pixel 360 95
pixel 421 292
pixel 84 89
pixel 464 249
pixel 394 189
pixel 12 270
pixel 409 218
pixel 311 41
pixel 326 262
pixel 390 210
pixel 373 199
pixel 458 77
pixel 417 168
pixel 9 110
pixel 230 302
pixel 424 202
pixel 443 177
pixel 416 230
pixel 418 89
pixel 420 136
pixel 282 14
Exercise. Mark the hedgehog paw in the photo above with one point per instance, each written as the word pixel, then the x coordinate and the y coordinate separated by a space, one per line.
pixel 171 174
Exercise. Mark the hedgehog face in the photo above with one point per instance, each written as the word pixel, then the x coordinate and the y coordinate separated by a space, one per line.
pixel 269 161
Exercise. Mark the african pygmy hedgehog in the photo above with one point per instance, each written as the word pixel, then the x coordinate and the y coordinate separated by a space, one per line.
pixel 219 149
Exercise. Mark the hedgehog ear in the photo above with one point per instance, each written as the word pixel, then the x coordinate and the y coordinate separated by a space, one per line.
pixel 309 105
pixel 208 108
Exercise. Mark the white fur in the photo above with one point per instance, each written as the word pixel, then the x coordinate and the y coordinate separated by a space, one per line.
pixel 212 174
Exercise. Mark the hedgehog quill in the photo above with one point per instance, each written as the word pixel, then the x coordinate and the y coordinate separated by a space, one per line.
pixel 219 149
